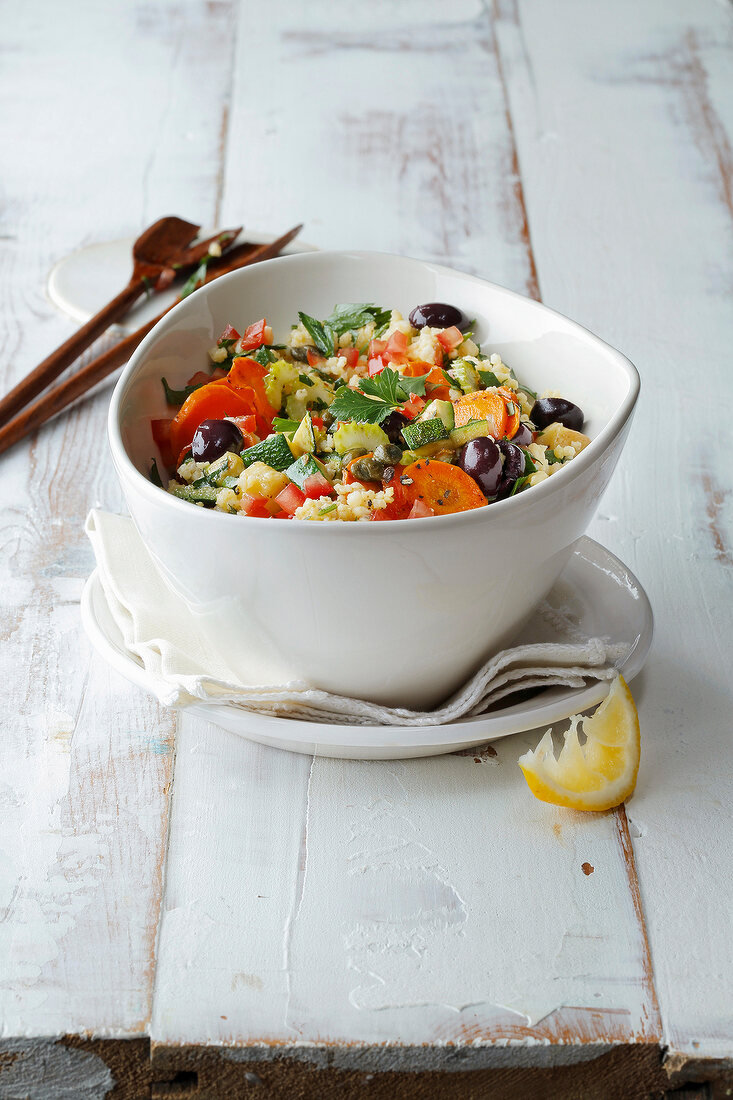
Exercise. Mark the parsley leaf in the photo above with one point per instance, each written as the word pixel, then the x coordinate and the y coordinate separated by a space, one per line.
pixel 177 397
pixel 263 355
pixel 386 385
pixel 345 318
pixel 321 333
pixel 529 465
pixel 281 425
pixel 193 282
pixel 488 378
pixel 416 385
pixel 519 484
pixel 527 390
pixel 350 404
pixel 305 380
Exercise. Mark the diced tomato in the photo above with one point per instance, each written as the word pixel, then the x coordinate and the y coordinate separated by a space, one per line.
pixel 290 499
pixel 413 407
pixel 376 365
pixel 317 486
pixel 396 350
pixel 162 438
pixel 376 347
pixel 314 357
pixel 420 510
pixel 351 355
pixel 253 336
pixel 450 338
pixel 229 333
pixel 199 378
pixel 317 421
pixel 254 506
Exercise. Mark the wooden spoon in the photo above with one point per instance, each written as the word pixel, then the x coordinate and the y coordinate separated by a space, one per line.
pixel 158 254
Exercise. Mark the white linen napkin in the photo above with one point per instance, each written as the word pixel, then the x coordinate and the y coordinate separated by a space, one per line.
pixel 159 632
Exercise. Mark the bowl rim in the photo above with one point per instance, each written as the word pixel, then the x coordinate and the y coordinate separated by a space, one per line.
pixel 587 458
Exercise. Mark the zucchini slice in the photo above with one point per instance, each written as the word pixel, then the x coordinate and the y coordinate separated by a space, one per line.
pixel 472 430
pixel 273 451
pixel 421 432
pixel 202 494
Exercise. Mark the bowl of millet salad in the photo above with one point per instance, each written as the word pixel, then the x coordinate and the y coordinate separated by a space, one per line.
pixel 363 415
pixel 347 393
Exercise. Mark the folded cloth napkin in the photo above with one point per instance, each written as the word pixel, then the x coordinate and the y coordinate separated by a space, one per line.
pixel 158 631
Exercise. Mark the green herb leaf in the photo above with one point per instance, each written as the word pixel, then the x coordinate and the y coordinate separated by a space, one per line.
pixel 488 378
pixel 529 465
pixel 155 474
pixel 226 343
pixel 305 379
pixel 387 385
pixel 263 355
pixel 327 508
pixel 194 281
pixel 416 385
pixel 281 425
pixel 177 397
pixel 322 335
pixel 519 484
pixel 350 404
pixel 346 318
pixel 527 390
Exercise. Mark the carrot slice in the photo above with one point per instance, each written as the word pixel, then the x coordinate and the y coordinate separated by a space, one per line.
pixel 211 402
pixel 499 406
pixel 247 373
pixel 442 487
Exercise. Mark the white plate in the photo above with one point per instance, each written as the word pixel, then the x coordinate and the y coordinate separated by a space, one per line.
pixel 596 596
pixel 82 282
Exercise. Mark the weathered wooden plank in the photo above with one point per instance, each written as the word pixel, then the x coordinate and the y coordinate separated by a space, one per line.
pixel 105 134
pixel 625 153
pixel 418 902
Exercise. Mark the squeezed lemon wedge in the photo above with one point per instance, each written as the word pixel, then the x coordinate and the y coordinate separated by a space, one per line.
pixel 599 774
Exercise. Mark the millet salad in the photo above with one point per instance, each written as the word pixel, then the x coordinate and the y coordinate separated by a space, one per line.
pixel 360 416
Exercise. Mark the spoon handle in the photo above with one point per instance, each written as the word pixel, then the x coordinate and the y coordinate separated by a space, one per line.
pixel 52 366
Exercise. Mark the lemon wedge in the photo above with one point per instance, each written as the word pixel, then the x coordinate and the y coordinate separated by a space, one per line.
pixel 599 774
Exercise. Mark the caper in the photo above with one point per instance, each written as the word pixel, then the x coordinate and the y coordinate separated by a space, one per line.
pixel 389 453
pixel 355 452
pixel 368 469
pixel 300 353
pixel 328 418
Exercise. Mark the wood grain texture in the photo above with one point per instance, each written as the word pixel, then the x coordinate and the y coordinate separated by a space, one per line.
pixel 102 111
pixel 375 918
pixel 633 236
pixel 414 945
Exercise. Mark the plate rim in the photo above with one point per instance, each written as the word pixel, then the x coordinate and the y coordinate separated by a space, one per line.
pixel 462 732
pixel 81 316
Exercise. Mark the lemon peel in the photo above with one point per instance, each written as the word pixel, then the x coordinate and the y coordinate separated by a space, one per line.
pixel 599 774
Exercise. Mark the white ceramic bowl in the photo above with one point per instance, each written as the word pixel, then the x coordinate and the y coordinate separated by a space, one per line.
pixel 398 612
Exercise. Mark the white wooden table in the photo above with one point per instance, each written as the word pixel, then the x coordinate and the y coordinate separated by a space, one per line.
pixel 182 912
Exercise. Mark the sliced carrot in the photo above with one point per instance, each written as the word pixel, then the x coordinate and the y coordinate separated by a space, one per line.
pixel 499 406
pixel 251 374
pixel 211 402
pixel 441 486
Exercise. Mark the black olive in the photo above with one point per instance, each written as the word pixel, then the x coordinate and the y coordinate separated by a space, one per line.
pixel 439 315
